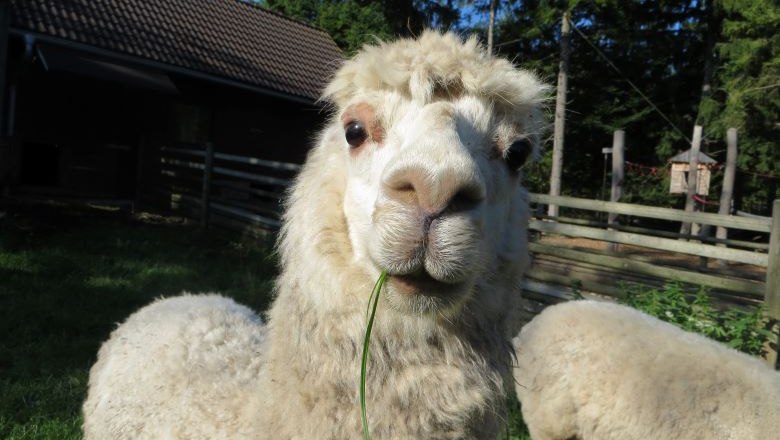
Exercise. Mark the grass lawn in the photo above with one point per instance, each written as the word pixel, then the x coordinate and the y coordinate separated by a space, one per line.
pixel 68 275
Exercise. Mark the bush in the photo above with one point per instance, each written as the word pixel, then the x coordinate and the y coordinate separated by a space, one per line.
pixel 744 329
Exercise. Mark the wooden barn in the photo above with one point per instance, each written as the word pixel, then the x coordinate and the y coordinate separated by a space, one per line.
pixel 94 90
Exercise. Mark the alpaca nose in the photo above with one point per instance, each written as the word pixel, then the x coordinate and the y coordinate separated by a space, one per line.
pixel 436 188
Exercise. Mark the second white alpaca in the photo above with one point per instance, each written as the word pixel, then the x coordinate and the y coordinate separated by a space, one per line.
pixel 598 371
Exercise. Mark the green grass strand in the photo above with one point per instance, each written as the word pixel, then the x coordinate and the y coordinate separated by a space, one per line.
pixel 372 303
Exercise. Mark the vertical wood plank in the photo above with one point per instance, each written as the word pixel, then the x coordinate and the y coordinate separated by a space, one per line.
pixel 727 193
pixel 5 13
pixel 772 296
pixel 693 176
pixel 618 173
pixel 208 167
pixel 560 115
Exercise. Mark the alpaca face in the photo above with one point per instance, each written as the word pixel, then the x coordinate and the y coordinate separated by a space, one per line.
pixel 433 194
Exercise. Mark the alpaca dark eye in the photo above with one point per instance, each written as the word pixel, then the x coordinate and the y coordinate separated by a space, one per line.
pixel 355 133
pixel 517 153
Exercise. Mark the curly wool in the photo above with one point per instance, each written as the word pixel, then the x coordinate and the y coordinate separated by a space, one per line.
pixel 591 370
pixel 297 377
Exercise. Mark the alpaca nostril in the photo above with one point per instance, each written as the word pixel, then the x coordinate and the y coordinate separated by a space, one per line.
pixel 464 200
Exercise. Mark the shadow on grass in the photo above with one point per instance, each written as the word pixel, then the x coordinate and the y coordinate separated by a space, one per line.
pixel 69 275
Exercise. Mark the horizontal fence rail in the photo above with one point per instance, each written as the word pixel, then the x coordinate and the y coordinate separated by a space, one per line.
pixel 755 223
pixel 699 249
pixel 228 190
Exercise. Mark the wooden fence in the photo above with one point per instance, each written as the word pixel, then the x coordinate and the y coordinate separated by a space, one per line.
pixel 571 255
pixel 227 190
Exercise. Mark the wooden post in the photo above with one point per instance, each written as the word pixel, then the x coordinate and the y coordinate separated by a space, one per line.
pixel 618 173
pixel 208 165
pixel 693 177
pixel 5 13
pixel 560 115
pixel 772 295
pixel 726 194
pixel 491 24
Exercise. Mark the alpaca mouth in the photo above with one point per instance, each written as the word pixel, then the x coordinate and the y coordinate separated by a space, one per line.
pixel 419 283
pixel 419 294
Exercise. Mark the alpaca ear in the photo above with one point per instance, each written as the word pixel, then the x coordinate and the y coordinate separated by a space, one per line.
pixel 518 153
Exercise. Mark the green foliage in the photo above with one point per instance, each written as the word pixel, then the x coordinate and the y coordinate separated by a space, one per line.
pixel 747 95
pixel 515 427
pixel 741 329
pixel 353 23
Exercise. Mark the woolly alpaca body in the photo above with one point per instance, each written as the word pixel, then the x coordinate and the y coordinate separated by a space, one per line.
pixel 417 174
pixel 591 370
pixel 186 367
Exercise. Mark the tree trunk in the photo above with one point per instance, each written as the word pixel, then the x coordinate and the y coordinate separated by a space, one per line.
pixel 491 24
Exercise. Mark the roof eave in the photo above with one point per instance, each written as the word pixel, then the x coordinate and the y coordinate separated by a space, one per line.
pixel 160 66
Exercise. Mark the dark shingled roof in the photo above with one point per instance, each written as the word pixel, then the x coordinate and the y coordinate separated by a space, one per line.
pixel 228 39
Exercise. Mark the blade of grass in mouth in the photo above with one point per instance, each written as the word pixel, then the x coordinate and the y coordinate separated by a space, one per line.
pixel 370 312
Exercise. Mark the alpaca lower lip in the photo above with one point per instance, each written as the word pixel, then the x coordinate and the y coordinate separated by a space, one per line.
pixel 418 283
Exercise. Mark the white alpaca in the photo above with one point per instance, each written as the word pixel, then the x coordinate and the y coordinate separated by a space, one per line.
pixel 589 370
pixel 417 174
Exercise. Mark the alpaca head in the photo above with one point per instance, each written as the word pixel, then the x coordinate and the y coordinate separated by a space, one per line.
pixel 433 133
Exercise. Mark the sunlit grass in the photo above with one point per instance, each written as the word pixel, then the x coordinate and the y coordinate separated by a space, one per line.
pixel 68 276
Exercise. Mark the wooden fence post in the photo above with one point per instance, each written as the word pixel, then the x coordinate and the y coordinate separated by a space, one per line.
pixel 727 193
pixel 618 173
pixel 560 115
pixel 208 165
pixel 772 295
pixel 5 14
pixel 693 177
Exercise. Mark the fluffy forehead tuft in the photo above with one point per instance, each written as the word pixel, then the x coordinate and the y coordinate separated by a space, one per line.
pixel 433 65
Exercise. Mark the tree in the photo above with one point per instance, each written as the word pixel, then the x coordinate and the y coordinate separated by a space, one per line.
pixel 746 96
pixel 654 44
pixel 353 23
pixel 350 23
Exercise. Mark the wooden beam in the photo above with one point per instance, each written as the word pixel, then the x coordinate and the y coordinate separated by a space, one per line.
pixel 763 224
pixel 247 216
pixel 560 114
pixel 699 249
pixel 657 232
pixel 618 173
pixel 285 166
pixel 772 295
pixel 693 178
pixel 208 167
pixel 727 192
pixel 5 14
pixel 750 288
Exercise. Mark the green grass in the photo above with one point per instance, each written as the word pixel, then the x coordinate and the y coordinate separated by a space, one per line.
pixel 67 276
